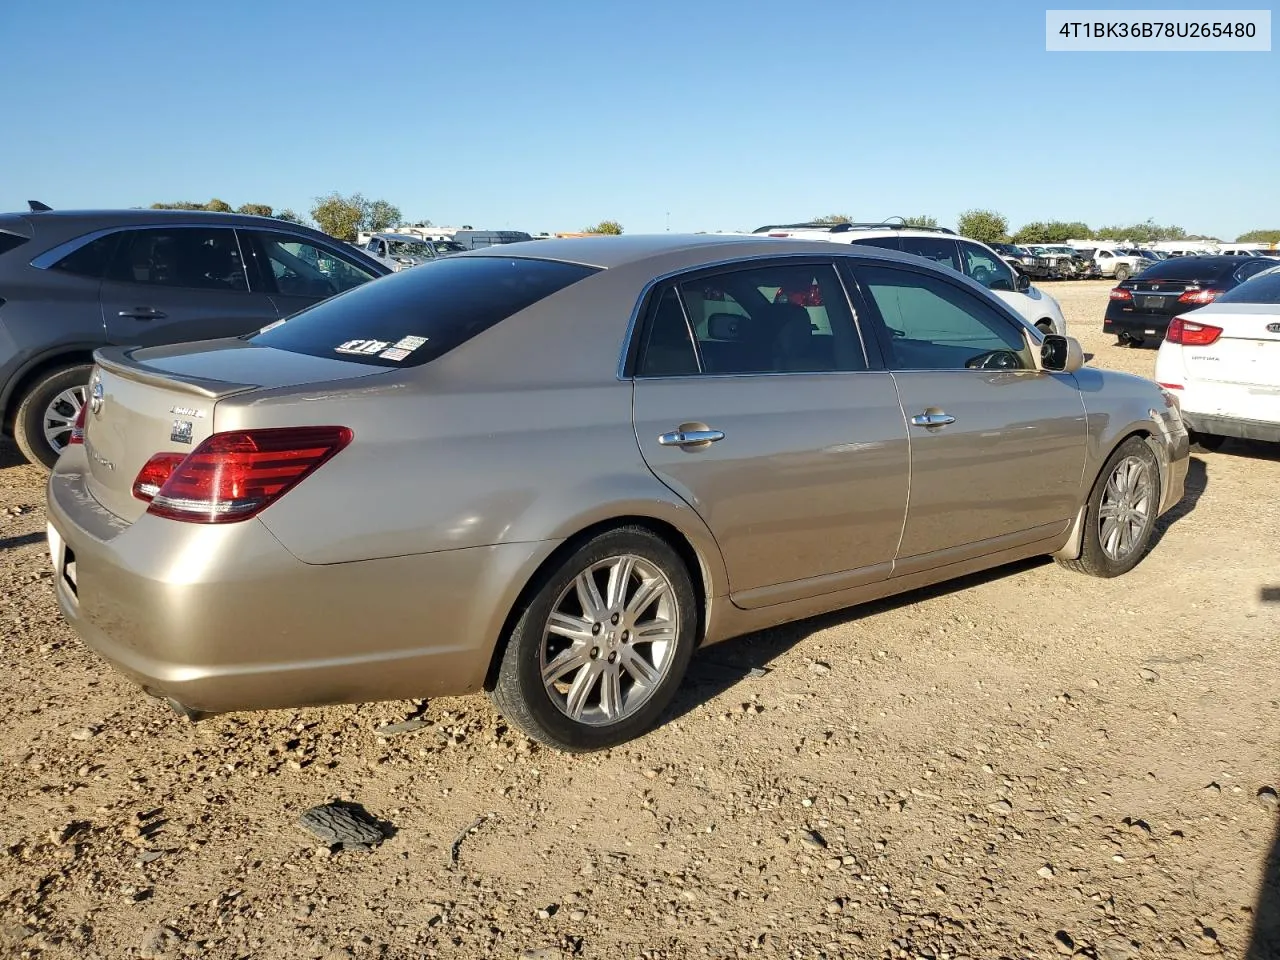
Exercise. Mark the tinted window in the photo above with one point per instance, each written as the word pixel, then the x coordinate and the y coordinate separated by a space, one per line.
pixel 1202 269
pixel 90 259
pixel 1255 266
pixel 195 257
pixel 667 349
pixel 889 243
pixel 303 269
pixel 933 248
pixel 1263 288
pixel 986 268
pixel 783 318
pixel 934 325
pixel 414 316
pixel 10 241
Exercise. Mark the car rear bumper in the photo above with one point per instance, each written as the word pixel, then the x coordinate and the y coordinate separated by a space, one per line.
pixel 222 617
pixel 1217 425
pixel 1139 327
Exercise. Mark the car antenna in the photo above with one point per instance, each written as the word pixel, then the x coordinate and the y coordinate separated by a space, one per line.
pixel 36 206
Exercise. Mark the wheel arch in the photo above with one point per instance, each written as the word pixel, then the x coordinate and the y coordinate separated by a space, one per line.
pixel 32 370
pixel 1075 537
pixel 698 566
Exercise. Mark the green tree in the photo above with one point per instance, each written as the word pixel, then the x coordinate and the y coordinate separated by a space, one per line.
pixel 1259 236
pixel 380 214
pixel 985 226
pixel 180 205
pixel 612 227
pixel 289 215
pixel 921 220
pixel 339 216
pixel 218 206
pixel 1148 232
pixel 1052 231
pixel 254 209
pixel 834 218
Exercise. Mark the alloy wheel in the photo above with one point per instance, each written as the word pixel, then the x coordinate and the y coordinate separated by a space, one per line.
pixel 60 416
pixel 1126 508
pixel 610 640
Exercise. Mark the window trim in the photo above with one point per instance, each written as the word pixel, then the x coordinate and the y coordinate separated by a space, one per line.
pixel 647 303
pixel 1020 327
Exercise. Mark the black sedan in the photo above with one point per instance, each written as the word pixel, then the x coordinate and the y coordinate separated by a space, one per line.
pixel 1141 307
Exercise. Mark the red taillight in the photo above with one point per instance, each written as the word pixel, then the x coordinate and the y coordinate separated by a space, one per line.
pixel 233 476
pixel 77 428
pixel 1171 386
pixel 154 473
pixel 1189 334
pixel 1120 293
pixel 1200 296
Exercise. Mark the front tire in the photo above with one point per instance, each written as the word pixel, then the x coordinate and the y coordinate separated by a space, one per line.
pixel 1120 515
pixel 48 410
pixel 599 651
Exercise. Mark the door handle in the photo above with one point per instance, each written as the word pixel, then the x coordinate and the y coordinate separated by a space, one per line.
pixel 142 313
pixel 932 420
pixel 685 438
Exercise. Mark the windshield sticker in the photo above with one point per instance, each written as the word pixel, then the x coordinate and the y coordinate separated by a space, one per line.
pixel 394 354
pixel 410 343
pixel 362 347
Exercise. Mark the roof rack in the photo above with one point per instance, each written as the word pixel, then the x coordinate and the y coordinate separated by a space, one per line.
pixel 846 227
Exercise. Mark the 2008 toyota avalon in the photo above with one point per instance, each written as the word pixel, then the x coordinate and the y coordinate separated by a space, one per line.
pixel 552 470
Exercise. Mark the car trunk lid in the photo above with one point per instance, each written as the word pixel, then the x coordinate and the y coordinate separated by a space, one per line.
pixel 1247 352
pixel 145 401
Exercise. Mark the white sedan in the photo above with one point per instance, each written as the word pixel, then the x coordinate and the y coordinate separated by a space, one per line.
pixel 1222 362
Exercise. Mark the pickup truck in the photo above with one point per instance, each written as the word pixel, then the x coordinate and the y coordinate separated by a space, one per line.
pixel 1118 264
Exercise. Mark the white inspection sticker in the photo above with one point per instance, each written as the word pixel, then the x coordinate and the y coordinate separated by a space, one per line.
pixel 362 347
pixel 395 353
pixel 410 343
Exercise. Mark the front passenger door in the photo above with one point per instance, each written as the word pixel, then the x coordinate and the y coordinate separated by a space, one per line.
pixel 298 273
pixel 997 446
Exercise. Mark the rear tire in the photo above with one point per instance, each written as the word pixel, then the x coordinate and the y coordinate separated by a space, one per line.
pixel 1206 442
pixel 604 682
pixel 1120 514
pixel 47 411
pixel 1122 273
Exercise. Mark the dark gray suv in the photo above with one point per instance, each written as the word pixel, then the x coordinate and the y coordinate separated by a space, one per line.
pixel 72 281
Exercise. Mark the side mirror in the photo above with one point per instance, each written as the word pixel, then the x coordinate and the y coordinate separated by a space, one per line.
pixel 1060 354
pixel 1022 283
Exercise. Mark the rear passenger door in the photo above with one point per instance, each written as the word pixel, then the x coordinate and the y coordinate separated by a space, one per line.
pixel 938 249
pixel 755 400
pixel 174 284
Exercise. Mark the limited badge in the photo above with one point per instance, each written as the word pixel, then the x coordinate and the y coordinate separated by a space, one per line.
pixel 181 432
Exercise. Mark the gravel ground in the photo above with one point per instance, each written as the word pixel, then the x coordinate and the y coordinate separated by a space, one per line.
pixel 1027 763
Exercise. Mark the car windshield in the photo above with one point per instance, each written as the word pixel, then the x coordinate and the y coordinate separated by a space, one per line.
pixel 1262 288
pixel 412 317
pixel 408 248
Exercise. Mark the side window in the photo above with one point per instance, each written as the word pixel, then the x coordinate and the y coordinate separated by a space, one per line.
pixel 91 259
pixel 934 325
pixel 1104 255
pixel 777 318
pixel 933 248
pixel 1249 269
pixel 303 269
pixel 986 268
pixel 667 350
pixel 197 258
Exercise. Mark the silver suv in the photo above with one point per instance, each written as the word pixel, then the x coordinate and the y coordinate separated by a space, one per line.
pixel 74 281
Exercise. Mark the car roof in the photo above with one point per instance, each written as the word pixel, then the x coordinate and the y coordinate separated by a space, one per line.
pixel 130 217
pixel 612 252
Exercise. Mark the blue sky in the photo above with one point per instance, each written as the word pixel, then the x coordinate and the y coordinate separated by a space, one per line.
pixel 698 115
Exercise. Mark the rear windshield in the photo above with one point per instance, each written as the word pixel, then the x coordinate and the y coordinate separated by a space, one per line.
pixel 1200 269
pixel 9 241
pixel 1264 288
pixel 412 317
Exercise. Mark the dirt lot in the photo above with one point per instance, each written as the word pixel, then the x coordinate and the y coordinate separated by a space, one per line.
pixel 1028 763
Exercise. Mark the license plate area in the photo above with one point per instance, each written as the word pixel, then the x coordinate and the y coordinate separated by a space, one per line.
pixel 1154 303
